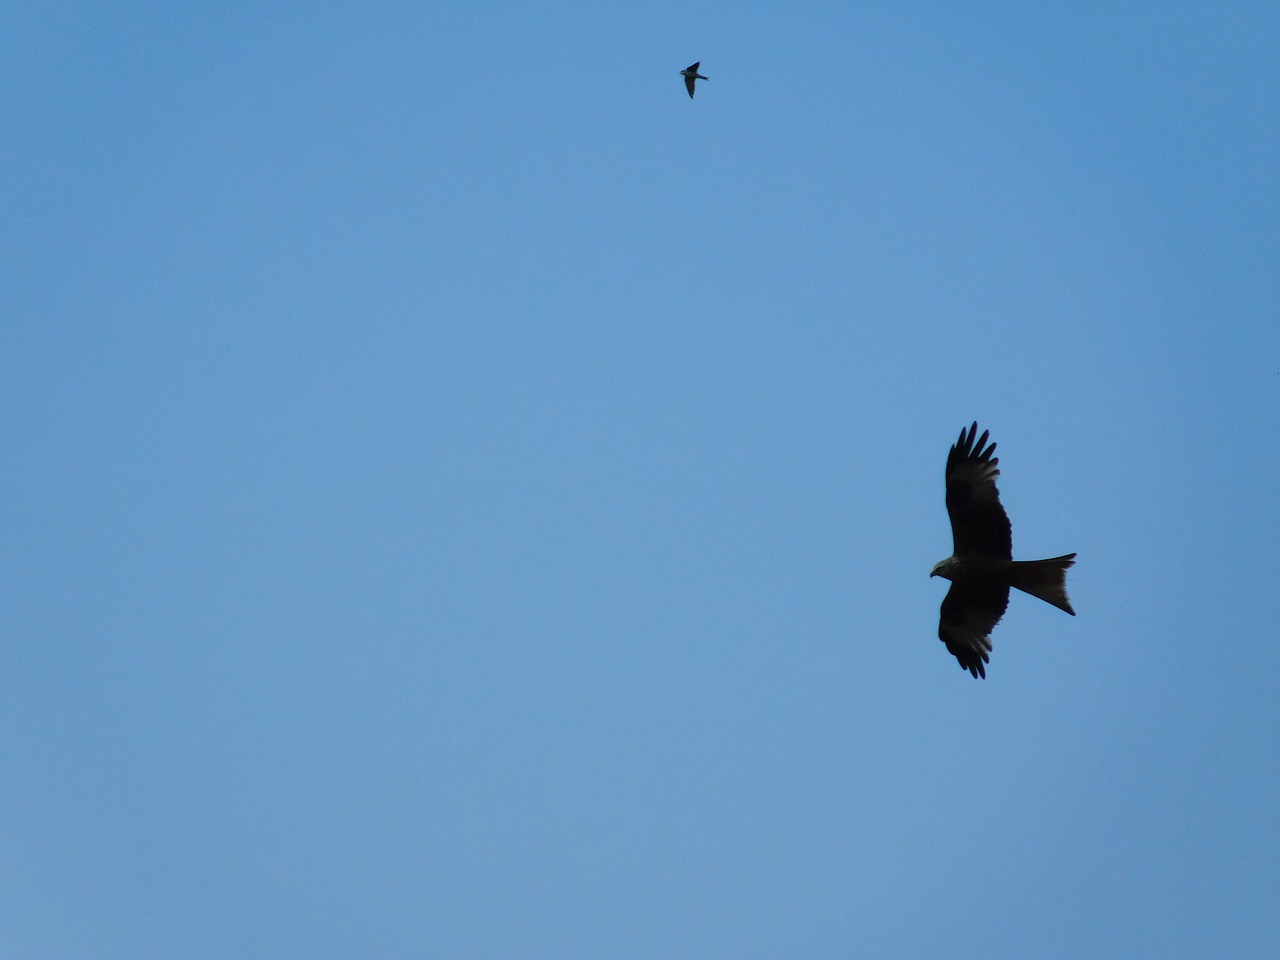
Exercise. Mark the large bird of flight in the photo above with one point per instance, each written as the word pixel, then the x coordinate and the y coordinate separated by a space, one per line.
pixel 981 568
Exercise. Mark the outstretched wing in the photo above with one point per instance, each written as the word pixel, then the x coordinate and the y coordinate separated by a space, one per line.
pixel 979 525
pixel 688 84
pixel 969 612
pixel 693 67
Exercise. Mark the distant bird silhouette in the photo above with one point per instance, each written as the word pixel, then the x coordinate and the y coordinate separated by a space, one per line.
pixel 692 76
pixel 981 568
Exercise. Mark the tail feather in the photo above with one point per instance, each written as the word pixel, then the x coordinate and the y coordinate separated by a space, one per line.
pixel 1046 579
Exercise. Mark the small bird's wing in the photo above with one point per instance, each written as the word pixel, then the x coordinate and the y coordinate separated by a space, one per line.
pixel 979 525
pixel 688 83
pixel 693 67
pixel 969 612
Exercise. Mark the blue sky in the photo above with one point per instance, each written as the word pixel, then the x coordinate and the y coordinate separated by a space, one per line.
pixel 463 498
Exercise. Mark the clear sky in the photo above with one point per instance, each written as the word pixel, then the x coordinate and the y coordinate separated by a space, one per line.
pixel 462 498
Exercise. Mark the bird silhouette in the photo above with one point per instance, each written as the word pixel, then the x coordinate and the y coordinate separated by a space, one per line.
pixel 692 76
pixel 981 567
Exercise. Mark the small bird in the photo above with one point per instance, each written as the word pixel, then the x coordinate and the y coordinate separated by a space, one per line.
pixel 691 76
pixel 981 568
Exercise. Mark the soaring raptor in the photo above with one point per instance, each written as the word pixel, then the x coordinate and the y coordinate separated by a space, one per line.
pixel 981 567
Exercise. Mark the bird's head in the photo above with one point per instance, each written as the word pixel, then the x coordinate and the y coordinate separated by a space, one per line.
pixel 943 568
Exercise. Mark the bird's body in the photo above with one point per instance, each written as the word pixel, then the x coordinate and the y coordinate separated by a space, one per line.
pixel 981 568
pixel 691 76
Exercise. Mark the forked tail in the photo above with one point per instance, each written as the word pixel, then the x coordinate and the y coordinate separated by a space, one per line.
pixel 1046 579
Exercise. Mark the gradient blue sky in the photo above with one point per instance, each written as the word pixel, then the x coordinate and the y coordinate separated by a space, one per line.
pixel 463 499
